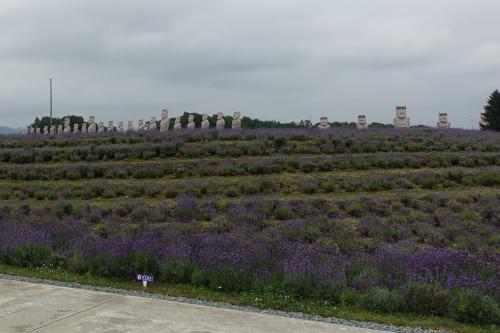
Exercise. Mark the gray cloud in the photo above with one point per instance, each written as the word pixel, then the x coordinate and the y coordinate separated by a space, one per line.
pixel 280 59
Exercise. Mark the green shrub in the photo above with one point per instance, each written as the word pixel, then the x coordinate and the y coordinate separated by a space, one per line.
pixel 140 214
pixel 382 300
pixel 30 255
pixel 423 298
pixel 248 188
pixel 282 214
pixel 176 271
pixel 298 285
pixel 488 179
pixel 198 277
pixel 355 210
pixel 470 306
pixel 308 188
pixel 350 297
pixel 171 193
pixel 227 279
pixel 328 187
pixel 76 263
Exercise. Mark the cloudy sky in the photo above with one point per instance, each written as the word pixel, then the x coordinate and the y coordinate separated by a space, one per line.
pixel 271 59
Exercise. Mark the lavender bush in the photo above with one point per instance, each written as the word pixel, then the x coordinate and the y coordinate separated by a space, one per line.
pixel 387 220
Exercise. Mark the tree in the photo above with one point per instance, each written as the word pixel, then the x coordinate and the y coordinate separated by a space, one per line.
pixel 490 118
pixel 45 121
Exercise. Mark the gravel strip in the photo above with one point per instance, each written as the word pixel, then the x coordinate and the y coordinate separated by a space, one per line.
pixel 297 315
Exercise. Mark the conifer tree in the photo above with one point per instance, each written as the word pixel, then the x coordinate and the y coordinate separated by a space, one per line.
pixel 490 118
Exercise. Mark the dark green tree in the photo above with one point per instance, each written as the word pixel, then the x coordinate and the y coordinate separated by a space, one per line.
pixel 45 121
pixel 490 118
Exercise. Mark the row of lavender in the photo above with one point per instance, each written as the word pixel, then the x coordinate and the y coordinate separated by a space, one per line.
pixel 430 254
pixel 208 187
pixel 240 167
pixel 429 138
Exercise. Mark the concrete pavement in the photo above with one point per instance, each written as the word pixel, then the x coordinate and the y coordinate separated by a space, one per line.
pixel 28 307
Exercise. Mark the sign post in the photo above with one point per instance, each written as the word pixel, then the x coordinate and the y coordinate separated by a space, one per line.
pixel 145 279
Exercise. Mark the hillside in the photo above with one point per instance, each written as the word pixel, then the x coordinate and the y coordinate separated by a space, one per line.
pixel 9 130
pixel 381 224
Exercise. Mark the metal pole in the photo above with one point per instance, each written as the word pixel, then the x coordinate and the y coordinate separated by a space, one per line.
pixel 50 101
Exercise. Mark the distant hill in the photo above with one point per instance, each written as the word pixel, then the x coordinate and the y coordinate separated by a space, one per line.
pixel 9 130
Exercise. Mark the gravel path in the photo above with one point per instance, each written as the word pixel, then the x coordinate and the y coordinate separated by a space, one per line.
pixel 298 315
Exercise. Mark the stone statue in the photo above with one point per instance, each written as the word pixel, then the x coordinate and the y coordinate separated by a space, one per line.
pixel 45 129
pixel 191 125
pixel 221 123
pixel 443 121
pixel 67 125
pixel 205 124
pixel 140 125
pixel 177 124
pixel 323 123
pixel 84 128
pixel 130 125
pixel 236 123
pixel 362 123
pixel 92 125
pixel 111 126
pixel 152 124
pixel 100 127
pixel 53 129
pixel 29 130
pixel 75 128
pixel 120 126
pixel 401 120
pixel 37 130
pixel 164 120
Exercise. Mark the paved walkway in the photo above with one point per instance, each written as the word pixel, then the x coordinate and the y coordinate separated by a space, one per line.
pixel 27 307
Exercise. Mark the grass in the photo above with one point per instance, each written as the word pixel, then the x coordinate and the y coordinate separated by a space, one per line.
pixel 258 300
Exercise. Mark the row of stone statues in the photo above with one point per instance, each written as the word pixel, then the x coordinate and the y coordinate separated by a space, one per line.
pixel 400 121
pixel 93 127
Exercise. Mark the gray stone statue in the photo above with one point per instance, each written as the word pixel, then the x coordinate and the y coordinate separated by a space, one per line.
pixel 323 123
pixel 140 125
pixel 362 123
pixel 236 123
pixel 45 129
pixel 53 129
pixel 111 126
pixel 152 124
pixel 401 120
pixel 221 123
pixel 164 120
pixel 191 125
pixel 100 127
pixel 443 121
pixel 92 125
pixel 120 126
pixel 130 126
pixel 75 128
pixel 205 124
pixel 84 128
pixel 177 124
pixel 67 125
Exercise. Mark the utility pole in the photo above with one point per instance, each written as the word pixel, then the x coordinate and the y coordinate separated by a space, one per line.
pixel 50 80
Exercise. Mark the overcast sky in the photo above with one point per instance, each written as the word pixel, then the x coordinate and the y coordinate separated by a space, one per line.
pixel 270 59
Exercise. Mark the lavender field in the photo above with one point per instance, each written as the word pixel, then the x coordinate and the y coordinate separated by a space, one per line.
pixel 390 221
